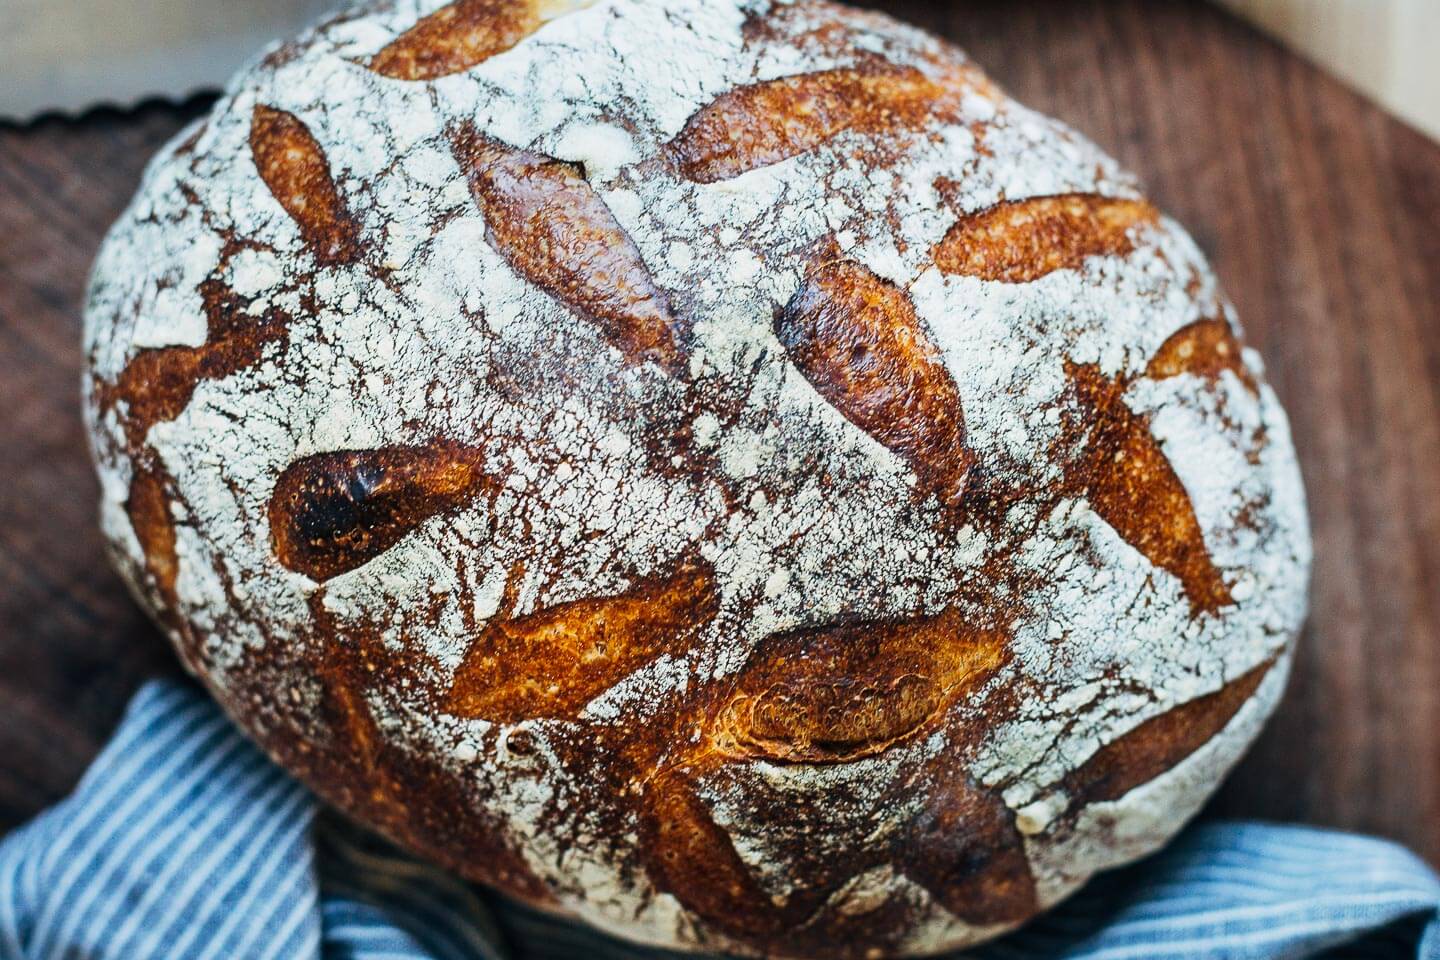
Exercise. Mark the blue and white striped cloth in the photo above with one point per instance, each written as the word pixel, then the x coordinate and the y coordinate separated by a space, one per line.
pixel 184 842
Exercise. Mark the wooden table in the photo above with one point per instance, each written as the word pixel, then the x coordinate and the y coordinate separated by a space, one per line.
pixel 1323 218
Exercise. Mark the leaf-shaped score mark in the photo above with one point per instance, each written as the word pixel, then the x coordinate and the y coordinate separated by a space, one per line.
pixel 333 512
pixel 1205 348
pixel 678 836
pixel 551 663
pixel 465 33
pixel 1132 486
pixel 858 340
pixel 964 848
pixel 148 506
pixel 758 125
pixel 835 693
pixel 1023 240
pixel 293 165
pixel 555 231
pixel 157 384
pixel 1160 743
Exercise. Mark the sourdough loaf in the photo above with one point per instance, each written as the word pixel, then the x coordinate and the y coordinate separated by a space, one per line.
pixel 717 468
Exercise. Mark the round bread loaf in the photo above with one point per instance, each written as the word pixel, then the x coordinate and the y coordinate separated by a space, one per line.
pixel 716 468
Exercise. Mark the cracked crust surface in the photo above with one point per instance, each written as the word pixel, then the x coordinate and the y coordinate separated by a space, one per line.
pixel 718 468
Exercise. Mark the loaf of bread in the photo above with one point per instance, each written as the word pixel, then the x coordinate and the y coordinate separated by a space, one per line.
pixel 719 469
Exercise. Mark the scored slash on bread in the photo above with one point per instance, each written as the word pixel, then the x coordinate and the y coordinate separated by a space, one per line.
pixel 553 662
pixel 858 340
pixel 967 850
pixel 755 126
pixel 332 512
pixel 1129 482
pixel 1122 470
pixel 1160 743
pixel 1205 348
pixel 1125 475
pixel 148 506
pixel 678 832
pixel 830 696
pixel 293 165
pixel 1023 240
pixel 462 34
pixel 837 693
pixel 157 384
pixel 551 226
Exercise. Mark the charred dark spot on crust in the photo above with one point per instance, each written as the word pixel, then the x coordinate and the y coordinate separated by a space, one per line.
pixel 836 693
pixel 148 507
pixel 157 384
pixel 333 512
pixel 678 836
pixel 1160 743
pixel 758 125
pixel 1023 240
pixel 457 37
pixel 964 848
pixel 1132 486
pixel 551 663
pixel 858 340
pixel 293 166
pixel 552 227
pixel 1205 348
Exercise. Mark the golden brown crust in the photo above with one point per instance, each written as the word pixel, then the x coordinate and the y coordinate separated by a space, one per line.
pixel 857 339
pixel 456 37
pixel 1204 348
pixel 1159 743
pixel 1020 241
pixel 148 507
pixel 963 847
pixel 614 534
pixel 678 834
pixel 1130 483
pixel 553 228
pixel 755 126
pixel 293 166
pixel 831 694
pixel 552 662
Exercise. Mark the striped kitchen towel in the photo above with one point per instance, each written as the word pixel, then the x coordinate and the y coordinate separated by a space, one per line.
pixel 183 841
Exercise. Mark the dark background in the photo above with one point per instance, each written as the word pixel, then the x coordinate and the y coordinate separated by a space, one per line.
pixel 1322 216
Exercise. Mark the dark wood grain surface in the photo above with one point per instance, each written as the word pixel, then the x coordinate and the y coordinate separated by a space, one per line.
pixel 1321 214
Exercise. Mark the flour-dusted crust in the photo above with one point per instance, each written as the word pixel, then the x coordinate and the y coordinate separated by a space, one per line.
pixel 718 468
